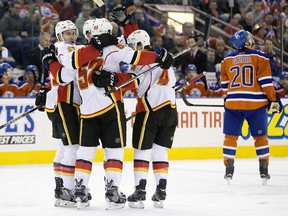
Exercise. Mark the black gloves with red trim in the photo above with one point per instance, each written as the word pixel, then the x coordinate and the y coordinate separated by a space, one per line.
pixel 164 58
pixel 103 79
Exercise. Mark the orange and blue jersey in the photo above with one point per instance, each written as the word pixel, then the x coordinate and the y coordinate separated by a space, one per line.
pixel 246 78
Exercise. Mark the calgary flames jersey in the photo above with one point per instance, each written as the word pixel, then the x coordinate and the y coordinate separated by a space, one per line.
pixel 246 77
pixel 155 89
pixel 94 102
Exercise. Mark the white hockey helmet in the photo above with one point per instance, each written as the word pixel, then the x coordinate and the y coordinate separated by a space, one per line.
pixel 87 28
pixel 101 26
pixel 138 36
pixel 63 26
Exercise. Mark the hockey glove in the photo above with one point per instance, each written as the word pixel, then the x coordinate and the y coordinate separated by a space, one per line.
pixel 275 106
pixel 47 55
pixel 41 99
pixel 165 59
pixel 104 78
pixel 120 16
pixel 103 40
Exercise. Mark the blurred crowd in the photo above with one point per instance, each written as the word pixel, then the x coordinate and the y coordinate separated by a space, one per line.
pixel 27 26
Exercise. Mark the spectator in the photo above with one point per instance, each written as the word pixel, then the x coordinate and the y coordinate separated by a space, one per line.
pixel 187 31
pixel 178 46
pixel 7 86
pixel 5 55
pixel 65 10
pixel 269 25
pixel 215 89
pixel 168 38
pixel 220 51
pixel 77 7
pixel 30 86
pixel 3 8
pixel 156 42
pixel 142 22
pixel 160 27
pixel 245 6
pixel 213 10
pixel 196 57
pixel 34 57
pixel 234 25
pixel 84 16
pixel 196 89
pixel 273 59
pixel 210 61
pixel 247 23
pixel 15 29
pixel 257 12
pixel 281 87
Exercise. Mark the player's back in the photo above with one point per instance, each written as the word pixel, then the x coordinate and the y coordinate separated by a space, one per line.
pixel 241 74
pixel 157 86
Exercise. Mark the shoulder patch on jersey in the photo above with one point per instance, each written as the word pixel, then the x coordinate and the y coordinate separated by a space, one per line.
pixel 70 49
pixel 120 46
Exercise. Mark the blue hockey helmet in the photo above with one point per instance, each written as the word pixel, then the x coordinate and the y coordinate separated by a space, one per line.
pixel 33 69
pixel 242 39
pixel 191 67
pixel 4 67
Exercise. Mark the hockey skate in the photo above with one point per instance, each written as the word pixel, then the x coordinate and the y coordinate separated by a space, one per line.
pixel 67 198
pixel 263 168
pixel 115 199
pixel 57 191
pixel 81 194
pixel 229 171
pixel 136 199
pixel 160 194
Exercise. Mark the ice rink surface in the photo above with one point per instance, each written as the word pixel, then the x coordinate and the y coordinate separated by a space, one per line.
pixel 195 188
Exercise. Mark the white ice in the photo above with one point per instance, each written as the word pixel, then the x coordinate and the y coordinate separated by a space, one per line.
pixel 195 188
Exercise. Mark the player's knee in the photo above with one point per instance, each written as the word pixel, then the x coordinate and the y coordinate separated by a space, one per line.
pixel 230 140
pixel 114 154
pixel 159 153
pixel 260 141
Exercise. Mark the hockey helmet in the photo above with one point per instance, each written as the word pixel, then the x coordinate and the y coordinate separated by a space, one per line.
pixel 191 67
pixel 139 37
pixel 33 69
pixel 4 67
pixel 87 28
pixel 101 26
pixel 242 39
pixel 63 26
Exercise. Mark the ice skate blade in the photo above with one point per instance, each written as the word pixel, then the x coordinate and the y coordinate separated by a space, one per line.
pixel 57 202
pixel 158 204
pixel 113 206
pixel 228 180
pixel 67 204
pixel 264 181
pixel 137 205
pixel 81 205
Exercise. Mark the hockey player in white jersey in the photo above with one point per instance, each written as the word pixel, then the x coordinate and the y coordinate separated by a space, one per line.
pixel 103 118
pixel 63 103
pixel 155 122
pixel 154 126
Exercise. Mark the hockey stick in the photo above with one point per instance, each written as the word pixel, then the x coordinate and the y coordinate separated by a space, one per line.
pixel 197 105
pixel 199 42
pixel 178 88
pixel 19 117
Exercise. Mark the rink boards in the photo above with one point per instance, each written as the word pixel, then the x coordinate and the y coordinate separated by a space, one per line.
pixel 198 135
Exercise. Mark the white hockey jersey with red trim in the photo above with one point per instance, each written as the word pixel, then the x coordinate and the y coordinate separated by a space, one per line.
pixel 155 89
